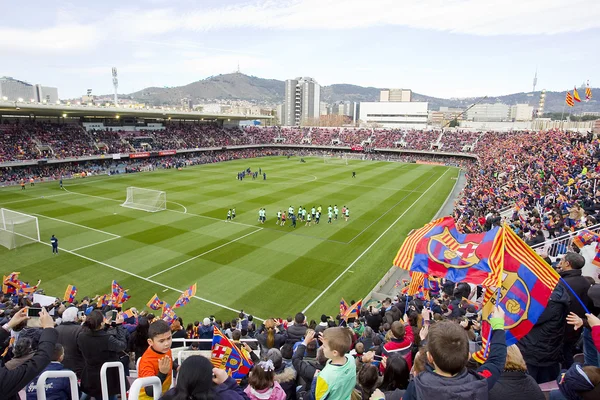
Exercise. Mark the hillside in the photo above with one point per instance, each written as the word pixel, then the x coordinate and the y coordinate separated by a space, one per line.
pixel 238 86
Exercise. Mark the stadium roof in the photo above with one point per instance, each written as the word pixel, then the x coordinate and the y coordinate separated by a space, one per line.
pixel 80 110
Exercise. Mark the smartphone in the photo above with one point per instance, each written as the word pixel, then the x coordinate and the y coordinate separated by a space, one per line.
pixel 114 315
pixel 33 312
pixel 80 314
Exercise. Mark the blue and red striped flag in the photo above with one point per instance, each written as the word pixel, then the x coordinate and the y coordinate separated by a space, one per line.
pixel 185 296
pixel 225 355
pixel 584 238
pixel 70 294
pixel 155 303
pixel 527 283
pixel 353 311
pixel 439 249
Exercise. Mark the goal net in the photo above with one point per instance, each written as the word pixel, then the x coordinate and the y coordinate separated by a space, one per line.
pixel 145 199
pixel 17 229
pixel 335 159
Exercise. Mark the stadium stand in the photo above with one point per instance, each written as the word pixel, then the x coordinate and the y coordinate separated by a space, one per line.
pixel 541 183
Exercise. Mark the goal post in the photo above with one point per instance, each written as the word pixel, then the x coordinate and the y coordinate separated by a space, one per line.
pixel 18 229
pixel 145 199
pixel 335 159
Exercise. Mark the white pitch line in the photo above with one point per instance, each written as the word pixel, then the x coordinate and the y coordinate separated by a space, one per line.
pixel 81 226
pixel 32 198
pixel 181 205
pixel 390 209
pixel 97 243
pixel 372 244
pixel 148 280
pixel 206 252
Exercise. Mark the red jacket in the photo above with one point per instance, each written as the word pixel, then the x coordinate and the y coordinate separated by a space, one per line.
pixel 401 346
pixel 596 336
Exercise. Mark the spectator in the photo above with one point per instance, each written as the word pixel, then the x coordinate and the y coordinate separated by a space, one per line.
pixel 515 383
pixel 570 270
pixel 338 378
pixel 285 376
pixel 367 379
pixel 178 333
pixel 270 337
pixel 56 388
pixel 307 366
pixel 100 341
pixel 262 384
pixel 401 341
pixel 198 380
pixel 296 332
pixel 448 353
pixel 12 381
pixel 205 332
pixel 22 351
pixel 138 341
pixel 157 360
pixel 542 347
pixel 68 332
pixel 395 379
pixel 391 313
pixel 579 383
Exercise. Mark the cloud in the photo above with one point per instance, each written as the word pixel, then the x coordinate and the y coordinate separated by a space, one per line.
pixel 476 17
pixel 61 38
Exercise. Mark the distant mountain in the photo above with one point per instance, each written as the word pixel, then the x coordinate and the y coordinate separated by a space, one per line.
pixel 238 86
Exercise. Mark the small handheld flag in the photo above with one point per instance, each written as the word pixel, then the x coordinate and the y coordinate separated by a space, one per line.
pixel 185 296
pixel 155 303
pixel 70 294
pixel 353 311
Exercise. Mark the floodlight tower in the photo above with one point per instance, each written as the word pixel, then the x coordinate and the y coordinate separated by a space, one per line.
pixel 115 84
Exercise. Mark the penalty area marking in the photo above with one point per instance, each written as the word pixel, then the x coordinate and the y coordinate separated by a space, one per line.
pixel 94 244
pixel 372 244
pixel 167 287
pixel 79 225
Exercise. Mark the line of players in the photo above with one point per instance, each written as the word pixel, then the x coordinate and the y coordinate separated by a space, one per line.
pixel 309 217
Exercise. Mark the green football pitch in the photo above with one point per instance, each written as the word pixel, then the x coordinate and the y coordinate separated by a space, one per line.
pixel 266 270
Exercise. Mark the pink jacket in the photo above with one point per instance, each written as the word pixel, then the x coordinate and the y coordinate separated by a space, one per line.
pixel 596 336
pixel 274 393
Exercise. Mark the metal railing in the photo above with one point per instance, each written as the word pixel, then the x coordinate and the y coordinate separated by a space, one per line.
pixel 140 383
pixel 41 383
pixel 104 380
pixel 560 245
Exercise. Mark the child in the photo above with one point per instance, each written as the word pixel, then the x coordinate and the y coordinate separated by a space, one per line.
pixel 448 353
pixel 401 342
pixel 338 378
pixel 261 383
pixel 56 388
pixel 157 360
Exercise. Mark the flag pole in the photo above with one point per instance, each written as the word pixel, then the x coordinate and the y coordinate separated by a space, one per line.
pixel 575 294
pixel 489 339
pixel 563 111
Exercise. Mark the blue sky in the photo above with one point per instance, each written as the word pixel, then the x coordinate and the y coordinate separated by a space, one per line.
pixel 443 48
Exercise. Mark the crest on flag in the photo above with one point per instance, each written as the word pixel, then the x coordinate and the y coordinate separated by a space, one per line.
pixel 445 250
pixel 155 303
pixel 225 355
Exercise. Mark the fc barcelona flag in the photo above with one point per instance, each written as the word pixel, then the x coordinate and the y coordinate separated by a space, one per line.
pixel 70 294
pixel 343 306
pixel 438 249
pixel 353 311
pixel 527 283
pixel 184 298
pixel 225 355
pixel 584 238
pixel 155 303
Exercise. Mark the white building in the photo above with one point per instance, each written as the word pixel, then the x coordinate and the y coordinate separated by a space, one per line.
pixel 46 94
pixel 302 101
pixel 14 90
pixel 394 114
pixel 395 95
pixel 489 112
pixel 521 112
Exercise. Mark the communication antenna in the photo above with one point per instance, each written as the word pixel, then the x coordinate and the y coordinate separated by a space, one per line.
pixel 115 84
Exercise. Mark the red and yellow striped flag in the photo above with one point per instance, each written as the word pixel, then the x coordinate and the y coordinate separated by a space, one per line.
pixel 569 100
pixel 588 92
pixel 576 95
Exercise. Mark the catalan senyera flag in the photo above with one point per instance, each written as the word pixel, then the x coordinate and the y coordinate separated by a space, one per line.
pixel 70 294
pixel 155 303
pixel 225 355
pixel 527 283
pixel 184 298
pixel 588 92
pixel 569 100
pixel 353 311
pixel 584 238
pixel 576 95
pixel 417 282
pixel 439 249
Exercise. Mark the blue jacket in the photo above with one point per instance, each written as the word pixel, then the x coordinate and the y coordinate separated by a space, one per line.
pixel 56 388
pixel 467 385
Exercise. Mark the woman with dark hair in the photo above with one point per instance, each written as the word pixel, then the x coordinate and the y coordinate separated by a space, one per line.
pixel 395 378
pixel 100 341
pixel 367 338
pixel 178 333
pixel 198 380
pixel 138 341
pixel 366 379
pixel 22 351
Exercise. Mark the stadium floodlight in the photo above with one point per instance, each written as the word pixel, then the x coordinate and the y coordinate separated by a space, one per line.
pixel 64 115
pixel 4 98
pixel 145 199
pixel 20 99
pixel 58 102
pixel 335 159
pixel 17 229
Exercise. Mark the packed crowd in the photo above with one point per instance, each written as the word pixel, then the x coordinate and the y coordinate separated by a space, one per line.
pixel 543 181
pixel 402 348
pixel 37 140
